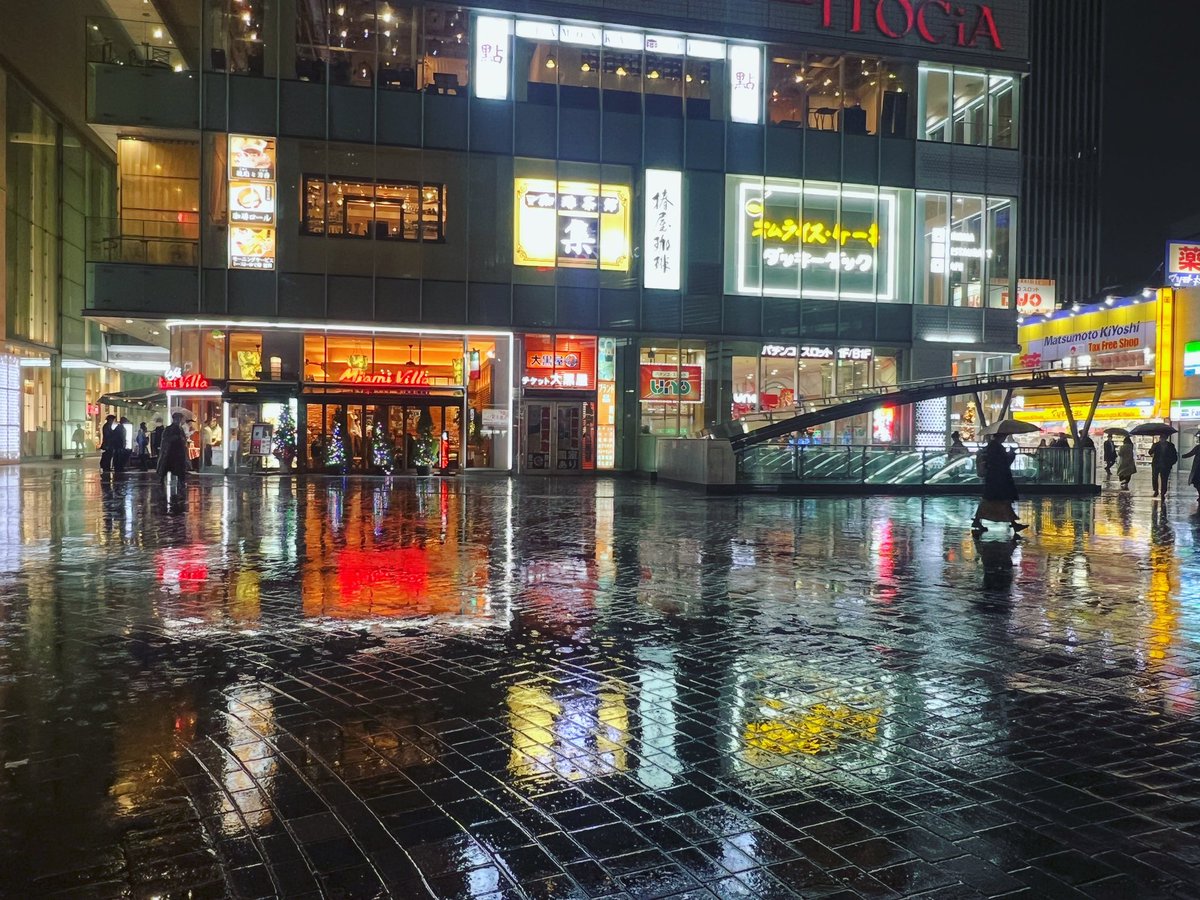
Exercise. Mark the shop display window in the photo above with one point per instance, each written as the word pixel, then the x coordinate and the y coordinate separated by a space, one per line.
pixel 966 243
pixel 671 388
pixel 559 362
pixel 384 210
pixel 246 361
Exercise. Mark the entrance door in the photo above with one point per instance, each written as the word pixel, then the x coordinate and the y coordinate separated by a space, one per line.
pixel 557 436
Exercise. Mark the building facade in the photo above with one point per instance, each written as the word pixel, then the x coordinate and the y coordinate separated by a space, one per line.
pixel 552 239
pixel 1062 117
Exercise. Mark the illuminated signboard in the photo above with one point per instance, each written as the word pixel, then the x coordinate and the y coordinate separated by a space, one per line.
pixel 745 84
pixel 176 380
pixel 667 381
pixel 664 229
pixel 1191 358
pixel 540 360
pixel 779 351
pixel 1183 264
pixel 405 377
pixel 792 238
pixel 251 178
pixel 571 223
pixel 490 72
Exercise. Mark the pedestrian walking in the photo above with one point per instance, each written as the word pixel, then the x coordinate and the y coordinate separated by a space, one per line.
pixel 1110 454
pixel 120 438
pixel 1126 466
pixel 994 464
pixel 1194 474
pixel 1163 457
pixel 106 447
pixel 173 455
pixel 156 437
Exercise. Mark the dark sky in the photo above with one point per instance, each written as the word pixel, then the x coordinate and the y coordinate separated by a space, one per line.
pixel 1151 136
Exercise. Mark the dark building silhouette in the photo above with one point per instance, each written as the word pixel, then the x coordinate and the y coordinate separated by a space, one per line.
pixel 1062 116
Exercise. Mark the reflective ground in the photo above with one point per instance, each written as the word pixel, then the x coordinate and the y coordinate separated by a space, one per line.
pixel 554 688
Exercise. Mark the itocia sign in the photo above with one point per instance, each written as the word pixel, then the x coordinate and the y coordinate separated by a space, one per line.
pixel 934 21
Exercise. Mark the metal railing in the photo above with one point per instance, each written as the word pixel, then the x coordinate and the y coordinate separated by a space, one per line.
pixel 128 42
pixel 864 465
pixel 142 241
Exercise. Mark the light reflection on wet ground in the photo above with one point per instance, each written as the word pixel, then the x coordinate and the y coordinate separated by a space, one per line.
pixel 495 688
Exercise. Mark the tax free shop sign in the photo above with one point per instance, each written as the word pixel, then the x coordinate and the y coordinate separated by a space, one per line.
pixel 1072 338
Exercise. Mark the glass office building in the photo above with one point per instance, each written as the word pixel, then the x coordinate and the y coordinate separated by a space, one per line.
pixel 555 235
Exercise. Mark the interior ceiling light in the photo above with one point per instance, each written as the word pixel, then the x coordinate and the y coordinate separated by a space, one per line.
pixel 550 63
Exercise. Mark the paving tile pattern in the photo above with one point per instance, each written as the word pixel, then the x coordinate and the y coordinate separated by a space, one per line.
pixel 492 688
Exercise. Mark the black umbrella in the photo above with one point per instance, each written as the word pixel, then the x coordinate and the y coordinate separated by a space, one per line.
pixel 1119 432
pixel 1153 428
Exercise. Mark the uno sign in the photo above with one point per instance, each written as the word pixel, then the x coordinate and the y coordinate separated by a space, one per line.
pixel 934 21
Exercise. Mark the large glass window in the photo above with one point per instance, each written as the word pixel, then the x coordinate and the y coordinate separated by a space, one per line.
pixel 671 388
pixel 386 210
pixel 828 92
pixel 159 191
pixel 968 106
pixel 965 242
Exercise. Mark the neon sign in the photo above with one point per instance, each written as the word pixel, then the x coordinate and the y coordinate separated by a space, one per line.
pixel 934 21
pixel 176 380
pixel 387 378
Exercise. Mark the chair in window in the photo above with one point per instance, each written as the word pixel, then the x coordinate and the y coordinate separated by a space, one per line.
pixel 445 82
pixel 408 79
pixel 854 120
pixel 389 78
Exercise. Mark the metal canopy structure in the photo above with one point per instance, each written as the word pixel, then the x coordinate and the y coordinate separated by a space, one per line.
pixel 914 392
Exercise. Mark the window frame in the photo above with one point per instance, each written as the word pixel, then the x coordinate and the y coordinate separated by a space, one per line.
pixel 306 230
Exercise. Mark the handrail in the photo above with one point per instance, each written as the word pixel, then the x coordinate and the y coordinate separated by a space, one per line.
pixel 913 392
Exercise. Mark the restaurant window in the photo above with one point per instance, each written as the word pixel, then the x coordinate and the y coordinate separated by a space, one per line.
pixel 159 193
pixel 237 37
pixel 385 210
pixel 245 356
pixel 933 250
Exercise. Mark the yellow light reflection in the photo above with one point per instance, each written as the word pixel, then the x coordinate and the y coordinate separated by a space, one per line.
pixel 575 735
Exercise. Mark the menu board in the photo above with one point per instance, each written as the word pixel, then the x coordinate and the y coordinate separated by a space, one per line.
pixel 10 408
pixel 252 206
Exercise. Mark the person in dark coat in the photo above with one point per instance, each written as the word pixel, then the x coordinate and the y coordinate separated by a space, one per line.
pixel 1110 454
pixel 999 489
pixel 156 437
pixel 106 446
pixel 1163 457
pixel 173 454
pixel 1194 475
pixel 120 444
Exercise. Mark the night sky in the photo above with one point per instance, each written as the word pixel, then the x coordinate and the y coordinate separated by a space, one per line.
pixel 1151 135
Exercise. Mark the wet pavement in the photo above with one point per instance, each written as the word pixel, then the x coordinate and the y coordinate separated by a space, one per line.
pixel 492 688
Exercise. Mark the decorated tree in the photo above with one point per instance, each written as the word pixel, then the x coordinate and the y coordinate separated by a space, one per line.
pixel 383 455
pixel 283 444
pixel 426 450
pixel 335 455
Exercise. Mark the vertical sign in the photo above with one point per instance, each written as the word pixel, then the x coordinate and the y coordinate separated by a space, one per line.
pixel 491 57
pixel 745 84
pixel 252 223
pixel 1183 263
pixel 663 229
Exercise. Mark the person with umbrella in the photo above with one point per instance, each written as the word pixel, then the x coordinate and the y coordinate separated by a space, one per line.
pixel 994 464
pixel 1194 474
pixel 1126 465
pixel 1163 457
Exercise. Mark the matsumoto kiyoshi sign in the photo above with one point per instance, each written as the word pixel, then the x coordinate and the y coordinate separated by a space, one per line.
pixel 1105 339
pixel 792 238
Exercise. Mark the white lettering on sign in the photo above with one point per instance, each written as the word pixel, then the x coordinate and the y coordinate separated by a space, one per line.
pixel 663 230
pixel 779 351
pixel 816 353
pixel 855 353
pixel 491 57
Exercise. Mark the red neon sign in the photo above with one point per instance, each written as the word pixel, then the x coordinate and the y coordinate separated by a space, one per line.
pixel 402 378
pixel 935 21
pixel 192 381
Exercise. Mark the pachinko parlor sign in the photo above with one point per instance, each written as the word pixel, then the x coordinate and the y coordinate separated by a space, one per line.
pixel 811 239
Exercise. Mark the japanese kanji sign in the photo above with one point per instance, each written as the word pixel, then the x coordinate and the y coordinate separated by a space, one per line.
pixel 1183 264
pixel 661 257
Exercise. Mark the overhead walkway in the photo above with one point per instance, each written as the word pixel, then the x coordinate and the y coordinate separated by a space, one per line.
pixel 1027 380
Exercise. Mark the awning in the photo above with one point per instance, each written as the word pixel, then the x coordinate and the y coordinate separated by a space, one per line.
pixel 143 398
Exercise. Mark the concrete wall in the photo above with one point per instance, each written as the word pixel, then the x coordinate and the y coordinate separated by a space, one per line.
pixel 695 461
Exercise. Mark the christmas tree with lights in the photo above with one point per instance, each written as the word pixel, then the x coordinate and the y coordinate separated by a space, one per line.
pixel 283 444
pixel 335 456
pixel 383 455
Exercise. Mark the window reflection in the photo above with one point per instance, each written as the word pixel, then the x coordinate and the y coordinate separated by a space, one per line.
pixel 968 106
pixel 829 92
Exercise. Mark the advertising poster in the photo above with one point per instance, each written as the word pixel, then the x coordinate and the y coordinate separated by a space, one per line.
pixel 260 439
pixel 670 382
pixel 252 202
pixel 252 207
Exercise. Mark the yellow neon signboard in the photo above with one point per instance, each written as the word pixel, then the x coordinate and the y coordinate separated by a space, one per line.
pixel 577 224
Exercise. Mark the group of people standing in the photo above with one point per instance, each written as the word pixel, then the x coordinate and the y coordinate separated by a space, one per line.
pixel 121 447
pixel 1163 458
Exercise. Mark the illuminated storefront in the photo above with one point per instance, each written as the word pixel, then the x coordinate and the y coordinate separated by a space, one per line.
pixel 351 393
